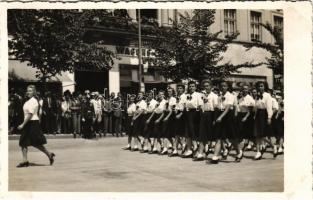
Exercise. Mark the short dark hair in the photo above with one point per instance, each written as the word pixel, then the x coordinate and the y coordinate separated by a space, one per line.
pixel 257 84
pixel 180 85
pixel 206 81
pixel 191 82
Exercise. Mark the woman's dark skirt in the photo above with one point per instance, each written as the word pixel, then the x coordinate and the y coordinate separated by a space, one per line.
pixel 158 127
pixel 278 125
pixel 138 126
pixel 261 127
pixel 244 129
pixel 129 126
pixel 206 126
pixel 145 117
pixel 31 135
pixel 192 124
pixel 226 128
pixel 149 128
pixel 180 125
pixel 169 126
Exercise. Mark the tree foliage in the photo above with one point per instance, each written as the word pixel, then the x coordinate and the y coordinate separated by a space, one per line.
pixel 276 49
pixel 52 40
pixel 188 50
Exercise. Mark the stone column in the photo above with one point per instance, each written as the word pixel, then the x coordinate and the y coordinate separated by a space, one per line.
pixel 164 17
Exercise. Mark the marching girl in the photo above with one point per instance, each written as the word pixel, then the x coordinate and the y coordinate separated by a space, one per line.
pixel 224 123
pixel 179 120
pixel 263 119
pixel 141 107
pixel 31 132
pixel 149 121
pixel 210 102
pixel 278 124
pixel 168 121
pixel 245 118
pixel 193 103
pixel 159 116
pixel 131 110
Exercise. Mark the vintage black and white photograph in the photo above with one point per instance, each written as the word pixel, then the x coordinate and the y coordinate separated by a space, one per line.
pixel 146 100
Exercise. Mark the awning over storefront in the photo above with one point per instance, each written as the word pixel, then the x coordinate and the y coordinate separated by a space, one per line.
pixel 20 71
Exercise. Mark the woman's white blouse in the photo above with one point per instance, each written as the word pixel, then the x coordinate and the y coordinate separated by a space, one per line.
pixel 245 102
pixel 227 99
pixel 210 101
pixel 171 103
pixel 195 100
pixel 151 106
pixel 265 103
pixel 180 105
pixel 31 107
pixel 161 107
pixel 142 105
pixel 131 109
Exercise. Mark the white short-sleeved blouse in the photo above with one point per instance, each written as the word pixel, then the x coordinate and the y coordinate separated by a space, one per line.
pixel 31 107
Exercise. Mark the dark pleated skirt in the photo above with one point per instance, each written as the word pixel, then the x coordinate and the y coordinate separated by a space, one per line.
pixel 226 128
pixel 138 126
pixel 158 127
pixel 169 127
pixel 149 128
pixel 32 135
pixel 129 126
pixel 244 129
pixel 192 124
pixel 144 124
pixel 206 126
pixel 180 125
pixel 261 127
pixel 278 125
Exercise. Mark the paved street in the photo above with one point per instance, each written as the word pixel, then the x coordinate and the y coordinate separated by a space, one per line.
pixel 101 166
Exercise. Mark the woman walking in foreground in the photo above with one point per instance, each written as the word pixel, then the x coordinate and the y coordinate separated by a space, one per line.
pixel 31 132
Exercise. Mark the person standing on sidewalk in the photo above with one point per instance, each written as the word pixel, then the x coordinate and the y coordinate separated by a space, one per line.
pixel 31 132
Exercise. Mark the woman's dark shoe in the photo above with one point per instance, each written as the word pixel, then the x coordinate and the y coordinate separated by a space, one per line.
pixel 258 156
pixel 135 149
pixel 23 164
pixel 51 159
pixel 198 159
pixel 212 161
pixel 225 154
pixel 126 148
pixel 238 158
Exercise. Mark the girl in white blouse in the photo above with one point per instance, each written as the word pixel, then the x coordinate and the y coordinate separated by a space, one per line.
pixel 168 121
pixel 131 110
pixel 31 132
pixel 224 123
pixel 263 119
pixel 245 117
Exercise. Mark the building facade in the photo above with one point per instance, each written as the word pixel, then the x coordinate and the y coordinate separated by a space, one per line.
pixel 123 76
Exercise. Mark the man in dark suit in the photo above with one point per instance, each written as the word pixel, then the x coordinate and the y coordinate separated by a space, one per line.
pixel 49 111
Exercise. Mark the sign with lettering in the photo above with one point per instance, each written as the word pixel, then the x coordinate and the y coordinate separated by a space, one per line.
pixel 134 51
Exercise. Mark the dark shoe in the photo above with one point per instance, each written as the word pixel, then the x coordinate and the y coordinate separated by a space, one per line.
pixel 144 151
pixel 126 148
pixel 51 159
pixel 198 159
pixel 212 162
pixel 225 155
pixel 172 154
pixel 135 149
pixel 23 164
pixel 187 156
pixel 238 159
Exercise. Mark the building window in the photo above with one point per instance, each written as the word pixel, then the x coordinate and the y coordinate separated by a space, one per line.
pixel 255 18
pixel 278 22
pixel 229 22
pixel 148 16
